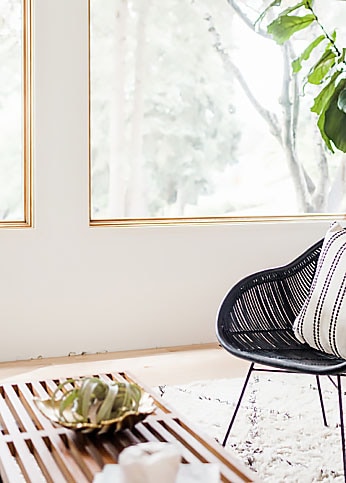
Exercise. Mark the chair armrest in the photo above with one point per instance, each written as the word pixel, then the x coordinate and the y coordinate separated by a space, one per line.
pixel 269 299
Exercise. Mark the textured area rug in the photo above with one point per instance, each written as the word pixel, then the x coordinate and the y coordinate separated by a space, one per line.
pixel 279 431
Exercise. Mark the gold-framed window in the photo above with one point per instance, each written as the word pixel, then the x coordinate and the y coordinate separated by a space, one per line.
pixel 188 111
pixel 16 113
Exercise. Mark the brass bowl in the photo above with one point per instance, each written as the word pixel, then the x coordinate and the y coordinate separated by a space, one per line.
pixel 51 411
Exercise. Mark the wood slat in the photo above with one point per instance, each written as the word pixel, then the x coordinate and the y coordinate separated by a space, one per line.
pixel 19 449
pixel 17 408
pixel 187 455
pixel 26 396
pixel 8 465
pixel 54 436
pixel 200 449
pixel 26 462
pixel 231 467
pixel 82 457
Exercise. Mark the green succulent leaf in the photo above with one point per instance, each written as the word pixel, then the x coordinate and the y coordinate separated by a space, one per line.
pixel 105 410
pixel 283 27
pixel 322 67
pixel 86 397
pixel 61 387
pixel 334 124
pixel 95 400
pixel 297 63
pixel 67 402
pixel 131 395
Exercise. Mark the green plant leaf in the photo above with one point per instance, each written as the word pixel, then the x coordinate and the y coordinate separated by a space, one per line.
pixel 67 402
pixel 288 10
pixel 297 63
pixel 322 66
pixel 60 387
pixel 275 3
pixel 321 100
pixel 283 27
pixel 86 398
pixel 87 394
pixel 94 400
pixel 106 407
pixel 335 119
pixel 342 101
pixel 320 125
pixel 321 103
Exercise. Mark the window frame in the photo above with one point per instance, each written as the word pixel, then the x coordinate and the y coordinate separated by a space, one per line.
pixel 205 220
pixel 27 121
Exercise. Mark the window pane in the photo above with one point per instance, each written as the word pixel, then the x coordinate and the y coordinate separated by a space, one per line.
pixel 189 108
pixel 11 111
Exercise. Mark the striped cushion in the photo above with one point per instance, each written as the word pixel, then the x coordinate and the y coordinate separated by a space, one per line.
pixel 322 320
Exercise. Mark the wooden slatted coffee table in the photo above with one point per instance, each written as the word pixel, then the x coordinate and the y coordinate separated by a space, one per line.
pixel 34 450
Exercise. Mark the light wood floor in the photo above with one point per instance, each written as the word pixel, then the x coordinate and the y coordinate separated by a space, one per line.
pixel 174 365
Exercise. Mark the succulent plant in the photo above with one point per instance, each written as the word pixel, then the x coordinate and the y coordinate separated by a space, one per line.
pixel 93 400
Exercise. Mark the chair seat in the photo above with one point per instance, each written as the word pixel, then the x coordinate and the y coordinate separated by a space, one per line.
pixel 292 356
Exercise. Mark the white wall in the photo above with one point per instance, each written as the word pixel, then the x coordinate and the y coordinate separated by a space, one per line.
pixel 66 287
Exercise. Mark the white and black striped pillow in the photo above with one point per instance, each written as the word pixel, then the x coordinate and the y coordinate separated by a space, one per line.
pixel 322 321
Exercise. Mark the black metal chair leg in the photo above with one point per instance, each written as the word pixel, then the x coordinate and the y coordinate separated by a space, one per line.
pixel 238 404
pixel 342 424
pixel 321 401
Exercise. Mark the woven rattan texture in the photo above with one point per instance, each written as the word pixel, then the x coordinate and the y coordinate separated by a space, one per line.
pixel 255 318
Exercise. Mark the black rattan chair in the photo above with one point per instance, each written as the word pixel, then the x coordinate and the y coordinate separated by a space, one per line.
pixel 255 321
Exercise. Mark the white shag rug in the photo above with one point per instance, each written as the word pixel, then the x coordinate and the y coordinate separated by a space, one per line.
pixel 279 431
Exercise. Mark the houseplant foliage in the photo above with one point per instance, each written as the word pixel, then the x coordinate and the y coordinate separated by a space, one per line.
pixel 96 400
pixel 325 63
pixel 94 404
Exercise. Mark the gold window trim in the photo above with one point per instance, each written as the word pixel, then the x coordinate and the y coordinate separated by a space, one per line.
pixel 217 220
pixel 26 119
pixel 207 220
